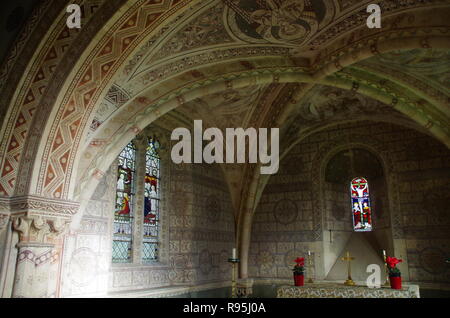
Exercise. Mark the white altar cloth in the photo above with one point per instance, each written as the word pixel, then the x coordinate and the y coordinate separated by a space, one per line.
pixel 334 290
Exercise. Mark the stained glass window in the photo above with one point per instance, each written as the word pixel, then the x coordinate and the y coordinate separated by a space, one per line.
pixel 362 219
pixel 123 214
pixel 151 201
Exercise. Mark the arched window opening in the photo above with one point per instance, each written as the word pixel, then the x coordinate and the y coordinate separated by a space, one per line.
pixel 123 214
pixel 361 208
pixel 151 201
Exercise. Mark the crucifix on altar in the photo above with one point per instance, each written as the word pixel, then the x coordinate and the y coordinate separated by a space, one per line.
pixel 348 258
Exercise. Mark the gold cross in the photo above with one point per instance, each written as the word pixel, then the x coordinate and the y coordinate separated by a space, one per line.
pixel 348 258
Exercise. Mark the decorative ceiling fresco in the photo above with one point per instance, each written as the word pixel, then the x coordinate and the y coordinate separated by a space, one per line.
pixel 231 108
pixel 431 65
pixel 289 22
pixel 325 106
pixel 74 98
pixel 115 98
pixel 214 31
pixel 330 104
pixel 203 31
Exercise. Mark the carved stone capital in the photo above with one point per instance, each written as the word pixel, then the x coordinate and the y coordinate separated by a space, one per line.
pixel 37 219
pixel 38 229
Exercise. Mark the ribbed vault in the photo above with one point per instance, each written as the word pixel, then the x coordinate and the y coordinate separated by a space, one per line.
pixel 84 94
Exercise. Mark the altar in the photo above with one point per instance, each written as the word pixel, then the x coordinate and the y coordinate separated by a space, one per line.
pixel 336 290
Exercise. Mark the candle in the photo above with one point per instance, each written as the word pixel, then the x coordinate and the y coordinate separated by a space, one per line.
pixel 233 255
pixel 309 253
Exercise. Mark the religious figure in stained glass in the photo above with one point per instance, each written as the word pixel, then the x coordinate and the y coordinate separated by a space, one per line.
pixel 151 196
pixel 123 190
pixel 151 200
pixel 124 208
pixel 361 209
pixel 123 214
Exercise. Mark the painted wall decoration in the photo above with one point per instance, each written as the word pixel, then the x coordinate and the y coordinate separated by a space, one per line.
pixel 432 260
pixel 75 83
pixel 205 262
pixel 285 212
pixel 213 208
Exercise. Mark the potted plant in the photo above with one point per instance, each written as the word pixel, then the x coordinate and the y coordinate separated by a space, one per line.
pixel 299 269
pixel 395 276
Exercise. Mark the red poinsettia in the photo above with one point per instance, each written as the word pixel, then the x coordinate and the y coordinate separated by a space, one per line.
pixel 299 268
pixel 392 263
pixel 300 261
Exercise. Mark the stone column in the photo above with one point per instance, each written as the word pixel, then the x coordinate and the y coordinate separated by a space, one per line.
pixel 37 238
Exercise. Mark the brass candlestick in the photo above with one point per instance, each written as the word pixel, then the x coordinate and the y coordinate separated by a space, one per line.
pixel 349 281
pixel 233 262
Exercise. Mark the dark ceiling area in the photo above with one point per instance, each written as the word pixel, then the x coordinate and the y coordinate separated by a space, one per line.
pixel 352 163
pixel 13 16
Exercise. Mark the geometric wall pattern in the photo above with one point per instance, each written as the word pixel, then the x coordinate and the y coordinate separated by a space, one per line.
pixel 421 188
pixel 30 95
pixel 96 72
pixel 200 232
pixel 72 97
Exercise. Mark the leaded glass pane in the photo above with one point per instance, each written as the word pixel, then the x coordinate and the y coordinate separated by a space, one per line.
pixel 123 214
pixel 121 251
pixel 362 219
pixel 152 201
pixel 149 251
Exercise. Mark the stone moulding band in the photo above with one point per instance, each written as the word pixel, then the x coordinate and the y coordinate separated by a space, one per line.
pixel 34 205
pixel 34 244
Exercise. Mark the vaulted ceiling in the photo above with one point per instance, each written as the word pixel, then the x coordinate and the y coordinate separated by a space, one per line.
pixel 274 36
pixel 74 98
